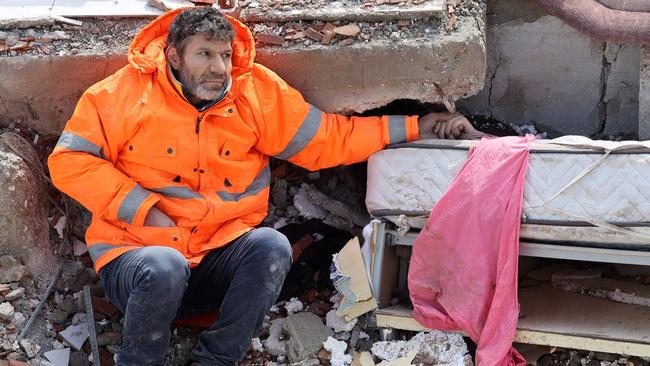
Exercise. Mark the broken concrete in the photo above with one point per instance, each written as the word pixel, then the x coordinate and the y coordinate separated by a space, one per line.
pixel 23 209
pixel 30 347
pixel 543 72
pixel 407 59
pixel 306 335
pixel 400 69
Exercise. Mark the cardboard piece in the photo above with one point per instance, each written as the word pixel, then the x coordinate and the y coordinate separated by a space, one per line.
pixel 351 280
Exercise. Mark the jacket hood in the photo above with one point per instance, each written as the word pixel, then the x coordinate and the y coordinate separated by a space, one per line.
pixel 147 51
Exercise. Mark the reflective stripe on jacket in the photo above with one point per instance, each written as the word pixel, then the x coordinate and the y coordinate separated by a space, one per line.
pixel 134 142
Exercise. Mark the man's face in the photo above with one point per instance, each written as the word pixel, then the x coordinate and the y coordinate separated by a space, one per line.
pixel 204 67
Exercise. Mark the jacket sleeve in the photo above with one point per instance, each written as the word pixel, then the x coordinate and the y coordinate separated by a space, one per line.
pixel 82 166
pixel 293 130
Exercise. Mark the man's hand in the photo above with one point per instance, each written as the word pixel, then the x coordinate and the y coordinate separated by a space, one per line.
pixel 157 218
pixel 446 126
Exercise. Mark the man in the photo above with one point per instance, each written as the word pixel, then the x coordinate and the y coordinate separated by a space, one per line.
pixel 171 156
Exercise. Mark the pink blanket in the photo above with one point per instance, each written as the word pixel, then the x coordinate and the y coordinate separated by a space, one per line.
pixel 463 273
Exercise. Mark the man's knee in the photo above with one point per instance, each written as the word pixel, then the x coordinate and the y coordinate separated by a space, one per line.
pixel 273 243
pixel 164 269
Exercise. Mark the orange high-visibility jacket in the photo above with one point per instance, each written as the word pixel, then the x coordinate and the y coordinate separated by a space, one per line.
pixel 134 142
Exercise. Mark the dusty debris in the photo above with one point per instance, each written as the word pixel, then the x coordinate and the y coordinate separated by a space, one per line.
pixel 590 283
pixel 437 347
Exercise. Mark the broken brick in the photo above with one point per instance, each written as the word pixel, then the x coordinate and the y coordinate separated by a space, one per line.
pixel 403 23
pixel 297 35
pixel 350 30
pixel 327 37
pixel 452 23
pixel 314 34
pixel 270 38
pixel 346 42
pixel 19 46
pixel 104 307
pixel 328 27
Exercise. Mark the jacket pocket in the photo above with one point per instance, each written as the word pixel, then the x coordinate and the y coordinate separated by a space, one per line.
pixel 152 236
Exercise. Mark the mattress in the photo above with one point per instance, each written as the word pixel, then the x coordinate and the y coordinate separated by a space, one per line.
pixel 577 190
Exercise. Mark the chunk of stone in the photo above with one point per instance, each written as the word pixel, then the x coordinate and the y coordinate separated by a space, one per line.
pixel 75 335
pixel 306 335
pixel 6 311
pixel 30 347
pixel 109 339
pixel 23 211
pixel 58 357
pixel 10 269
pixel 79 359
pixel 15 294
pixel 18 319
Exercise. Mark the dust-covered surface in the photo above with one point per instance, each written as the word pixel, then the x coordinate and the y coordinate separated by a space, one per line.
pixel 101 36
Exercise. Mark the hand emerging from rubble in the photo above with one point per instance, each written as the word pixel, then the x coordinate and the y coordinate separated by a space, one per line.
pixel 157 218
pixel 445 125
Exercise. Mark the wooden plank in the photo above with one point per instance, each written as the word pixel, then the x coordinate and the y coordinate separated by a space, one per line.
pixel 547 309
pixel 552 317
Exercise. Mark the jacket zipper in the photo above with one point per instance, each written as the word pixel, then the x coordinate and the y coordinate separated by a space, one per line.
pixel 198 123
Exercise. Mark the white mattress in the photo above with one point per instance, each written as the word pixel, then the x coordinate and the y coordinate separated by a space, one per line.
pixel 410 179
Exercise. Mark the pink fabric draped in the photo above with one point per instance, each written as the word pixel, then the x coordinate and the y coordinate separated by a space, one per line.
pixel 463 272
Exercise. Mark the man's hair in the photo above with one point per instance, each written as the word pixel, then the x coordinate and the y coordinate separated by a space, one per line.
pixel 199 20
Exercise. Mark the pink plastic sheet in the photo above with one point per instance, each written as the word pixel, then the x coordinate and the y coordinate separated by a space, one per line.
pixel 463 272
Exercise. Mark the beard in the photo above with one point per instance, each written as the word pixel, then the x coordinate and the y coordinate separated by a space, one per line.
pixel 197 86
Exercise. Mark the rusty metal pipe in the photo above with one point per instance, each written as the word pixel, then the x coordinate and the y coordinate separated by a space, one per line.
pixel 600 22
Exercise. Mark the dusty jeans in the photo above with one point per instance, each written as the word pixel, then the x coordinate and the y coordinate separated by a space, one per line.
pixel 153 285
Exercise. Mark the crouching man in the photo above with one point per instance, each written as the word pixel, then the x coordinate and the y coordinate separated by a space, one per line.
pixel 171 156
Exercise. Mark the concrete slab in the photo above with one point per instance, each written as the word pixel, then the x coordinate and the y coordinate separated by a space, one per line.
pixel 33 93
pixel 395 62
pixel 364 76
